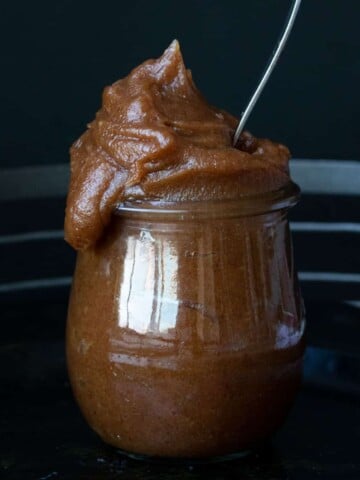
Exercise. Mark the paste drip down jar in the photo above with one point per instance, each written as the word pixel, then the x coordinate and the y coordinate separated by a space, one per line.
pixel 185 326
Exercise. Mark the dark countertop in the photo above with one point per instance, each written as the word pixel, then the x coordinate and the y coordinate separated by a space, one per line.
pixel 43 435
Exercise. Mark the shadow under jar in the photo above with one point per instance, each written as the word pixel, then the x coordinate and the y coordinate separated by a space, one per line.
pixel 185 326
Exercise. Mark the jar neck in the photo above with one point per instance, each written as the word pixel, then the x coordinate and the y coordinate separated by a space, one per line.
pixel 248 205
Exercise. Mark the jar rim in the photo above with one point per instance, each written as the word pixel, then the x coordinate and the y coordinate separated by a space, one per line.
pixel 250 204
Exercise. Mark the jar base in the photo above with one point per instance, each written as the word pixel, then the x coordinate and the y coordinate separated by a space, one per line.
pixel 186 460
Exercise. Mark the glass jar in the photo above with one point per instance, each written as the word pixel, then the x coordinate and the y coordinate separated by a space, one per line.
pixel 185 327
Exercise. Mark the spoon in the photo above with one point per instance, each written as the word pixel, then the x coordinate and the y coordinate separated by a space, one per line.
pixel 273 61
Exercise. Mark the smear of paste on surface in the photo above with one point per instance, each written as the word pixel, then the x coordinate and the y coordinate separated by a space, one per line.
pixel 156 138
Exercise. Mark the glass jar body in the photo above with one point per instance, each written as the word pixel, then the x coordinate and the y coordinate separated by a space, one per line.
pixel 185 333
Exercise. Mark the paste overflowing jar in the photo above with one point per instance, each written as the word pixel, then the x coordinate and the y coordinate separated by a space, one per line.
pixel 185 326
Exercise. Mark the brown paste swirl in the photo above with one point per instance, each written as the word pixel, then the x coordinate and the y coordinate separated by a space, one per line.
pixel 157 139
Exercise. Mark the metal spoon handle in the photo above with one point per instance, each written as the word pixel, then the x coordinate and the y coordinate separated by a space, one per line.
pixel 269 69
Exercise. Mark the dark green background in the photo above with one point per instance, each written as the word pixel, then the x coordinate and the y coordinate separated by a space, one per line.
pixel 58 55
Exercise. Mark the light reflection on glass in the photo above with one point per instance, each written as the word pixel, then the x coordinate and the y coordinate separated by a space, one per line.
pixel 148 292
pixel 288 335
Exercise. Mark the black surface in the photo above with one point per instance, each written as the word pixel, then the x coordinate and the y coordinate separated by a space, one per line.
pixel 43 435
